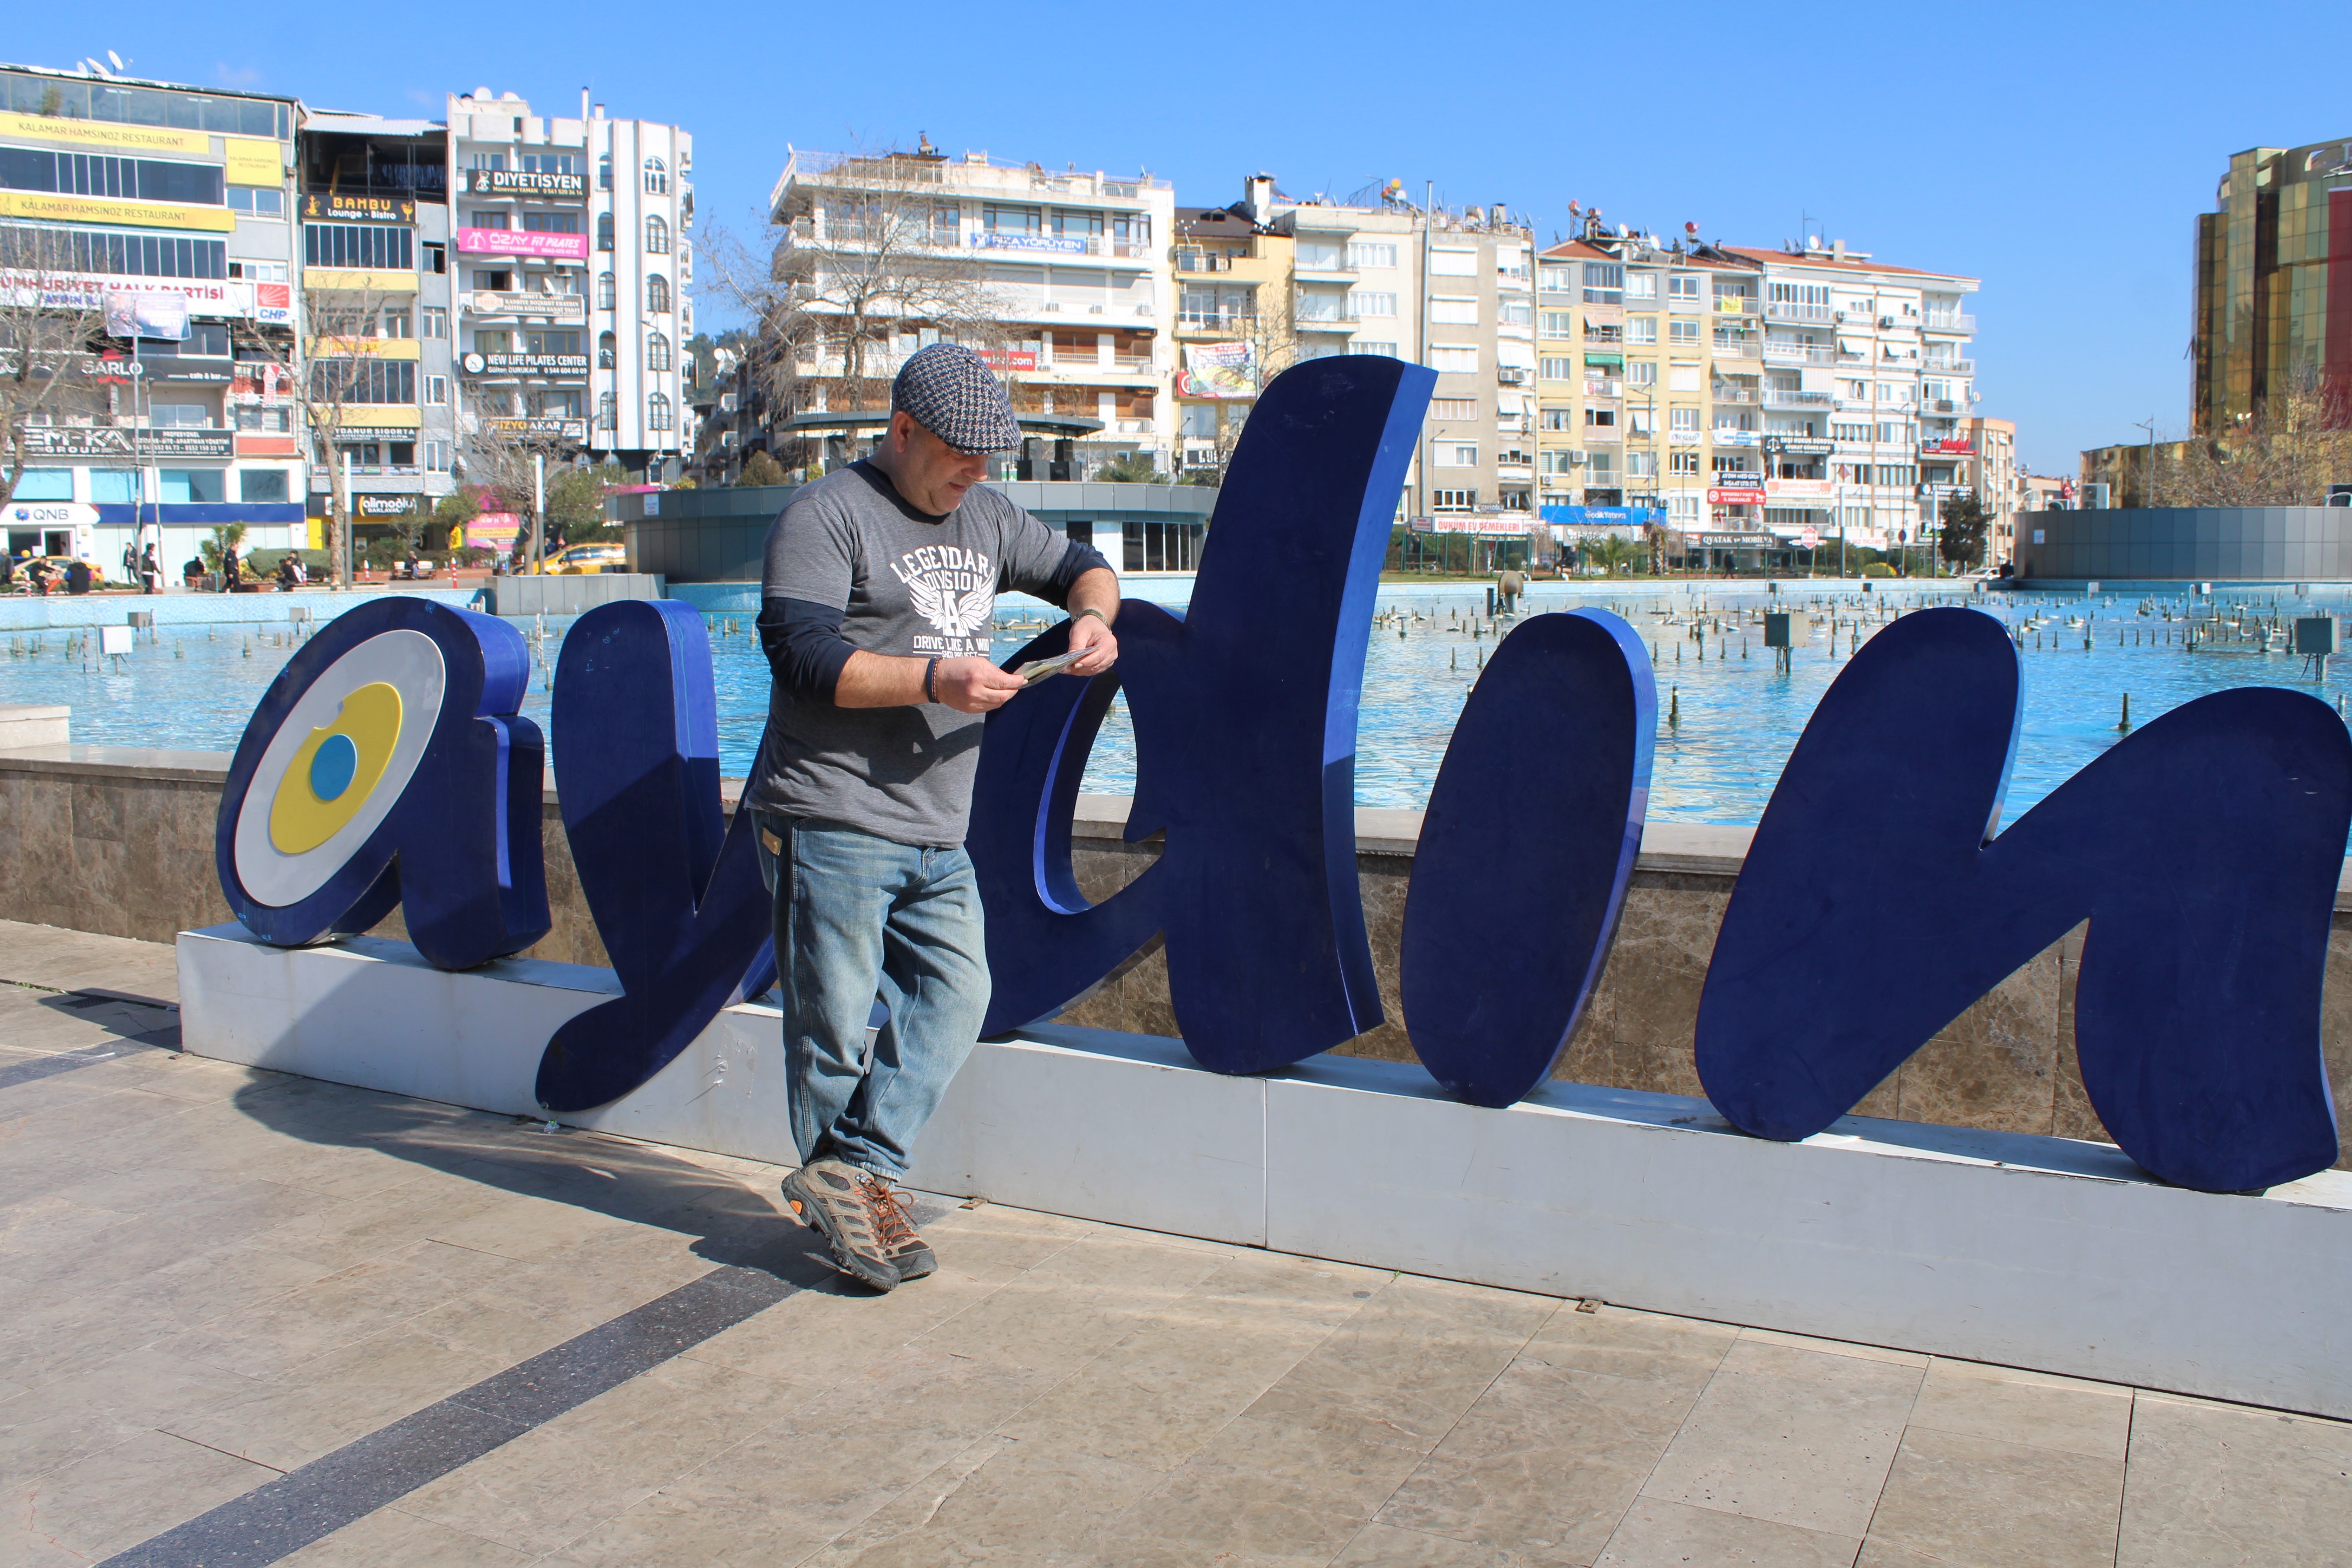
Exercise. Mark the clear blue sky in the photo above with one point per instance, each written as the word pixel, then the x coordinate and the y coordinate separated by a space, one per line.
pixel 2057 151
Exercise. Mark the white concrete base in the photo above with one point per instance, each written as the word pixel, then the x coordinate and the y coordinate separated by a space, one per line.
pixel 2033 1252
pixel 25 725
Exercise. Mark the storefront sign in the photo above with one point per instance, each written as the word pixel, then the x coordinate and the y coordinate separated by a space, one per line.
pixel 1002 360
pixel 1218 370
pixel 534 365
pixel 1736 438
pixel 549 306
pixel 493 530
pixel 540 428
pixel 1736 541
pixel 1797 489
pixel 125 441
pixel 273 304
pixel 51 514
pixel 44 206
pixel 87 291
pixel 138 315
pixel 1053 244
pixel 251 161
pixel 376 433
pixel 1800 446
pixel 348 206
pixel 1958 446
pixel 522 242
pixel 522 182
pixel 1722 496
pixel 377 507
pixel 55 129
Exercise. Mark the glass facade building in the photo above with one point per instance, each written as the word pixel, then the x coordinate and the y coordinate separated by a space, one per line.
pixel 2274 284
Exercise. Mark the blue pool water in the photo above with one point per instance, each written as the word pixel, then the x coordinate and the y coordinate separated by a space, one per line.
pixel 194 686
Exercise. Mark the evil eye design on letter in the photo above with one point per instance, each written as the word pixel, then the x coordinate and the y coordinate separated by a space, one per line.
pixel 387 765
pixel 338 764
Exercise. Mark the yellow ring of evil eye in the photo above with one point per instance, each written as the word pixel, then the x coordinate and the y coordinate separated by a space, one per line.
pixel 335 770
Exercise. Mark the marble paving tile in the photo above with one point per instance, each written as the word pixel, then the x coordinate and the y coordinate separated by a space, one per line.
pixel 1617 1341
pixel 1545 1464
pixel 1657 1534
pixel 2212 1483
pixel 120 1497
pixel 1001 1501
pixel 390 1538
pixel 1073 1305
pixel 109 1405
pixel 1836 1347
pixel 2037 1409
pixel 1990 1504
pixel 552 1485
pixel 1795 1436
pixel 1379 1545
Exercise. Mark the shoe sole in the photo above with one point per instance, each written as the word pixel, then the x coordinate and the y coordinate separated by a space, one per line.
pixel 810 1213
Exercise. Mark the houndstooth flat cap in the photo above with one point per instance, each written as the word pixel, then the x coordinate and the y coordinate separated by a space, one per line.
pixel 951 393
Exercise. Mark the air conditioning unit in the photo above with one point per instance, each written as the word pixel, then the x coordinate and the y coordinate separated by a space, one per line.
pixel 1575 459
pixel 1885 322
pixel 1838 315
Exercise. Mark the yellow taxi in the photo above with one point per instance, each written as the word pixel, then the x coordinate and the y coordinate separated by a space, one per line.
pixel 575 559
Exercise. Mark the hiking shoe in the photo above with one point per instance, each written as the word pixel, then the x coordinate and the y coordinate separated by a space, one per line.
pixel 828 1195
pixel 894 1218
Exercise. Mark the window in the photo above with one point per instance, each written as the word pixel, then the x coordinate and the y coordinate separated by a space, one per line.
pixel 1640 285
pixel 1601 419
pixel 1371 346
pixel 258 201
pixel 1682 462
pixel 607 411
pixel 1453 500
pixel 1642 421
pixel 562 404
pixel 1685 333
pixel 179 415
pixel 494 220
pixel 603 231
pixel 1515 313
pixel 1641 328
pixel 658 357
pixel 1731 463
pixel 1558 324
pixel 1363 253
pixel 437 389
pixel 1683 508
pixel 435 321
pixel 1850 432
pixel 1557 368
pixel 436 259
pixel 262 486
pixel 605 292
pixel 265 421
pixel 658 413
pixel 550 223
pixel 1454 359
pixel 1454 408
pixel 1452 311
pixel 115 487
pixel 1011 220
pixel 607 347
pixel 1891 432
pixel 393 324
pixel 1365 304
pixel 605 173
pixel 549 163
pixel 379 247
pixel 1453 264
pixel 1555 461
pixel 46 484
pixel 1640 465
pixel 656 178
pixel 657 237
pixel 489 160
pixel 143 255
pixel 1458 454
pixel 1161 546
pixel 657 294
pixel 197 487
pixel 1611 334
pixel 1682 289
pixel 96 175
pixel 1642 372
pixel 437 457
pixel 1605 282
pixel 495 279
pixel 1559 419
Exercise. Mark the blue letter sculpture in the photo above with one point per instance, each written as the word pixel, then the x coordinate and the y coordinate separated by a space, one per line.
pixel 1524 852
pixel 2203 850
pixel 1245 739
pixel 674 887
pixel 384 766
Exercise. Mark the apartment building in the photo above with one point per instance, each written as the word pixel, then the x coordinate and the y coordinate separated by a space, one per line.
pixel 573 264
pixel 2273 310
pixel 1769 399
pixel 1455 292
pixel 1060 276
pixel 168 209
pixel 1236 322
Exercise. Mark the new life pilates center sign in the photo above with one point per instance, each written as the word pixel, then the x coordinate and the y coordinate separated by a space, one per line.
pixel 389 763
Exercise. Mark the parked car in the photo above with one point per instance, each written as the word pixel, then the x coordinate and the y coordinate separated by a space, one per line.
pixel 575 559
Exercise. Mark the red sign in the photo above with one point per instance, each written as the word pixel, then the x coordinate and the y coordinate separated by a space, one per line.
pixel 1958 445
pixel 1811 537
pixel 1742 497
pixel 1009 359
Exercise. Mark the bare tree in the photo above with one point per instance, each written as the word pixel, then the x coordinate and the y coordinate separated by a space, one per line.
pixel 331 368
pixel 869 261
pixel 2286 453
pixel 51 318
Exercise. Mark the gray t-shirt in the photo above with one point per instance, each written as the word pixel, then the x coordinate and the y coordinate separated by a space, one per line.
pixel 909 585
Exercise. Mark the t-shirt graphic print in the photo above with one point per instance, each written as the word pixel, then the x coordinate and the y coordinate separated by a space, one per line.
pixel 955 589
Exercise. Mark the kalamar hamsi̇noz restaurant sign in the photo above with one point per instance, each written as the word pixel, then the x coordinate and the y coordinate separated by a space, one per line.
pixel 522 182
pixel 526 365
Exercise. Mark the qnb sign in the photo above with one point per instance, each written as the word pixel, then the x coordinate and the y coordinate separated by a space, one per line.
pixel 1880 898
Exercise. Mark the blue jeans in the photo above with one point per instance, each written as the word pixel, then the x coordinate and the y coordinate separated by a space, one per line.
pixel 861 920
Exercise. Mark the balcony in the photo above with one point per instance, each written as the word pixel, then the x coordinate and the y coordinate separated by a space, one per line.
pixel 1947 367
pixel 1948 322
pixel 1748 348
pixel 1214 321
pixel 1603 386
pixel 1724 392
pixel 1798 354
pixel 1783 397
pixel 1787 310
pixel 1733 305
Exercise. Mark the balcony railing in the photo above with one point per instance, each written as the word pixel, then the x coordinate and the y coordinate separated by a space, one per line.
pixel 1724 392
pixel 1733 305
pixel 1745 349
pixel 1213 321
pixel 1603 386
pixel 1948 321
pixel 1947 367
pixel 1798 353
pixel 1782 397
pixel 1787 311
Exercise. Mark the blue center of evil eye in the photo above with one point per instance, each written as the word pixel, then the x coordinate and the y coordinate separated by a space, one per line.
pixel 332 766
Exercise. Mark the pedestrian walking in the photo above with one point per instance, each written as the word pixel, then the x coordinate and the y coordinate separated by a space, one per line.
pixel 877 603
pixel 150 572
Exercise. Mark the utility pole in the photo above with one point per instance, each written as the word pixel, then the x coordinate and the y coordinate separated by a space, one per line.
pixel 2147 466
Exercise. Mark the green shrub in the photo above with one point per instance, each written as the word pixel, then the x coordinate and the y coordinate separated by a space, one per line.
pixel 1878 569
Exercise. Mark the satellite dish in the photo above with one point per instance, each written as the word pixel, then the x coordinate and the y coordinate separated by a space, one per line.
pixel 117 59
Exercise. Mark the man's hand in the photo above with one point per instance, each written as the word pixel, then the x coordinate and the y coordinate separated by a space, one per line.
pixel 1098 650
pixel 974 685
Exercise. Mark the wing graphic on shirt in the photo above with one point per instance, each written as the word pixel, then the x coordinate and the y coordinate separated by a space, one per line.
pixel 954 613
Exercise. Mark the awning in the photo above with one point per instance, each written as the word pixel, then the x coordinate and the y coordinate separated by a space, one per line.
pixel 1604 316
pixel 1612 361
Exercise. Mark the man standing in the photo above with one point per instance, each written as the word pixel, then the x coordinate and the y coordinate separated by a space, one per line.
pixel 877 601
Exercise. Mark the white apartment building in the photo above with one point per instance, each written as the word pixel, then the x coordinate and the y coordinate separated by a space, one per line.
pixel 1073 267
pixel 572 266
